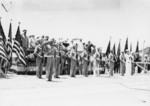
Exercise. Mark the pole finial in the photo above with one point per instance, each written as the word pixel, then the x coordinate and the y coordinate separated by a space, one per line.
pixel 19 23
pixel 10 20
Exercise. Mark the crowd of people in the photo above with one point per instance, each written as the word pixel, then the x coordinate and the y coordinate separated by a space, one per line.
pixel 75 57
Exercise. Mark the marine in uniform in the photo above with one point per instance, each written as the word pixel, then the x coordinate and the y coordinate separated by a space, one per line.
pixel 96 63
pixel 85 60
pixel 39 59
pixel 122 64
pixel 73 61
pixel 111 63
pixel 57 62
pixel 51 56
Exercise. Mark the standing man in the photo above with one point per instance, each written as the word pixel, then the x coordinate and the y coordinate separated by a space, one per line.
pixel 128 63
pixel 39 58
pixel 96 63
pixel 111 63
pixel 73 61
pixel 85 60
pixel 80 50
pixel 25 41
pixel 57 62
pixel 51 59
pixel 122 64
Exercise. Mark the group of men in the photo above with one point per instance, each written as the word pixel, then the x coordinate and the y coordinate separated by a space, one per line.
pixel 80 57
pixel 75 57
pixel 62 56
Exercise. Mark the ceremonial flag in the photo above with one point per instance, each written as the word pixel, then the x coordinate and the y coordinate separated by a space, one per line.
pixel 9 44
pixel 126 45
pixel 3 54
pixel 108 49
pixel 137 47
pixel 17 47
pixel 119 50
pixel 131 47
pixel 114 50
pixel 2 34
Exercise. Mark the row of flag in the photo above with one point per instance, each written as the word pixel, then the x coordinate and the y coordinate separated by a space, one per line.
pixel 119 48
pixel 7 47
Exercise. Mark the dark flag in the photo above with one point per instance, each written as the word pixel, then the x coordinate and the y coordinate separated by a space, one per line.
pixel 18 49
pixel 2 34
pixel 114 50
pixel 131 47
pixel 108 49
pixel 119 50
pixel 9 45
pixel 137 47
pixel 126 45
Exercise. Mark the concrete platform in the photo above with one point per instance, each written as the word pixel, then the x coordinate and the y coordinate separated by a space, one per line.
pixel 21 90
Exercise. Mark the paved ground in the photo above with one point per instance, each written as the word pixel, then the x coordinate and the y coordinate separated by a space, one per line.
pixel 21 90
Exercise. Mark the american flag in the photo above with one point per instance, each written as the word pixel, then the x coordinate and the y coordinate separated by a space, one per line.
pixel 17 47
pixel 3 55
pixel 9 45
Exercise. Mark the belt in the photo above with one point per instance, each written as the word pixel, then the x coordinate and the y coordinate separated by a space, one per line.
pixel 57 56
pixel 49 56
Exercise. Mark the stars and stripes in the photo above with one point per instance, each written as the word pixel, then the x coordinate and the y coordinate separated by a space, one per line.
pixel 3 55
pixel 9 45
pixel 17 48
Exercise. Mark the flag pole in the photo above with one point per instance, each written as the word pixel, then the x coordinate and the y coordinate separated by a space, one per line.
pixel 143 51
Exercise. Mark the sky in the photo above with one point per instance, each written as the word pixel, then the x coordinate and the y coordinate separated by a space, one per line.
pixel 94 20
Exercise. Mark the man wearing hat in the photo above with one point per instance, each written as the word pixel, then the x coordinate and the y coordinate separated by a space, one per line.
pixel 32 42
pixel 122 64
pixel 96 62
pixel 111 63
pixel 25 41
pixel 85 61
pixel 39 58
pixel 73 55
pixel 128 63
pixel 51 59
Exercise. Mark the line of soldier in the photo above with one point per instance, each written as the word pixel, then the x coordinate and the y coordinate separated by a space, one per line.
pixel 88 59
pixel 59 58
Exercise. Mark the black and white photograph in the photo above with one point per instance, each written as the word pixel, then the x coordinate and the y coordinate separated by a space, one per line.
pixel 74 52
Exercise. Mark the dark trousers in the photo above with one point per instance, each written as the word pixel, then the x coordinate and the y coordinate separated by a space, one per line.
pixel 111 69
pixel 39 66
pixel 73 68
pixel 85 68
pixel 57 67
pixel 50 67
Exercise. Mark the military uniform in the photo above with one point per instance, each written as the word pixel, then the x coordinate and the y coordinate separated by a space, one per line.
pixel 57 64
pixel 96 64
pixel 39 57
pixel 85 63
pixel 128 65
pixel 73 63
pixel 111 64
pixel 122 64
pixel 50 66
